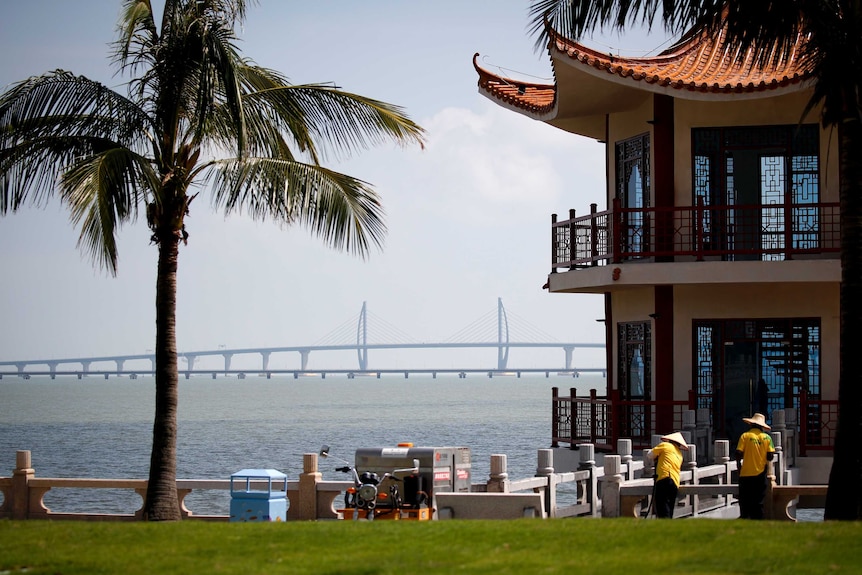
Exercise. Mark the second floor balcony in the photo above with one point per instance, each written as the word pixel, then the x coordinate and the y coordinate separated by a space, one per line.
pixel 773 232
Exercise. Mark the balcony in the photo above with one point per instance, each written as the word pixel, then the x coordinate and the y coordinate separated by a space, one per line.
pixel 772 232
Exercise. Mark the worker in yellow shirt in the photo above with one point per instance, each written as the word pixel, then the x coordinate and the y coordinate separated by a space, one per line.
pixel 668 461
pixel 755 448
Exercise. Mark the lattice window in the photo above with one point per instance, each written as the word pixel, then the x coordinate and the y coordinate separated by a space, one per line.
pixel 788 169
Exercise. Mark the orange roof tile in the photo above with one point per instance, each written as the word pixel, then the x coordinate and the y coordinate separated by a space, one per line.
pixel 532 97
pixel 699 63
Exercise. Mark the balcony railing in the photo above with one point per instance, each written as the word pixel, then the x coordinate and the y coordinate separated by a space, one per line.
pixel 602 420
pixel 695 233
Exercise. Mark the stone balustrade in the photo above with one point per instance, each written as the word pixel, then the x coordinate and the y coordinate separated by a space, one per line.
pixel 620 486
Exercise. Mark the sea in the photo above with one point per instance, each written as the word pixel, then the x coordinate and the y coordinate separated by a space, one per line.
pixel 102 428
pixel 98 428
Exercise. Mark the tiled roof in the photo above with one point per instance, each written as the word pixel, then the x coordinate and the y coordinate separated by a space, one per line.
pixel 698 64
pixel 535 98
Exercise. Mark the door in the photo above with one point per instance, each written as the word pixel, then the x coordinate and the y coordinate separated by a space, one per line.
pixel 740 377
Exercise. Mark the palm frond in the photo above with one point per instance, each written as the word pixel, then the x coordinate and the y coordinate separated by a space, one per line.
pixel 336 121
pixel 343 211
pixel 137 35
pixel 48 121
pixel 103 190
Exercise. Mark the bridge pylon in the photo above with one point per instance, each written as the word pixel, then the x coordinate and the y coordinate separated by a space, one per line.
pixel 502 336
pixel 362 338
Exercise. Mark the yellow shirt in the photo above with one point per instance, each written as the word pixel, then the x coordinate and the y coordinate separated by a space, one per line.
pixel 668 460
pixel 754 445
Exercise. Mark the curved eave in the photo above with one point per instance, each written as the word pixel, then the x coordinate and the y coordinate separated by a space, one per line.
pixel 698 68
pixel 537 101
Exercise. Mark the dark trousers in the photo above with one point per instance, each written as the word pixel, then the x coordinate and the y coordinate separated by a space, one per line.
pixel 665 498
pixel 752 492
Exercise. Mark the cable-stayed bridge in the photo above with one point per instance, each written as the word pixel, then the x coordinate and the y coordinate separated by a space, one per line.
pixel 359 335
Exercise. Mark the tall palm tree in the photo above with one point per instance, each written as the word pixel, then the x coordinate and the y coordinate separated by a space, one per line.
pixel 196 114
pixel 832 52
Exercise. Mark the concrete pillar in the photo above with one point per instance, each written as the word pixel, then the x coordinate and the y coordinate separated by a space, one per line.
pixel 498 481
pixel 308 480
pixel 689 463
pixel 624 449
pixel 590 492
pixel 545 468
pixel 611 486
pixel 722 457
pixel 20 493
pixel 778 463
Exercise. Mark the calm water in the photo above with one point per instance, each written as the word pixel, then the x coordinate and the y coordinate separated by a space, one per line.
pixel 103 428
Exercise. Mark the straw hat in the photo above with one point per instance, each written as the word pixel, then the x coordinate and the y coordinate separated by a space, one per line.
pixel 757 419
pixel 677 438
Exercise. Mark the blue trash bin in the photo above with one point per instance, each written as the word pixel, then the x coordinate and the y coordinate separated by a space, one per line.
pixel 258 495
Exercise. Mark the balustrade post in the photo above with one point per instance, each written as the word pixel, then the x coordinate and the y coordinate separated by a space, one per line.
pixel 21 476
pixel 587 462
pixel 768 502
pixel 779 425
pixel 779 465
pixel 573 416
pixel 704 432
pixel 594 236
pixel 722 457
pixel 689 426
pixel 306 507
pixel 573 239
pixel 545 468
pixel 689 459
pixel 593 413
pixel 553 243
pixel 624 449
pixel 611 487
pixel 793 435
pixel 555 416
pixel 498 481
pixel 614 418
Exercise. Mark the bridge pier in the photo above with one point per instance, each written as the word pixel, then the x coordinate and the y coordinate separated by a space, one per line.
pixel 569 350
pixel 264 355
pixel 303 355
pixel 227 358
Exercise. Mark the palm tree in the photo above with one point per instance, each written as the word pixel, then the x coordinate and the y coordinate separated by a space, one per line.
pixel 832 52
pixel 196 113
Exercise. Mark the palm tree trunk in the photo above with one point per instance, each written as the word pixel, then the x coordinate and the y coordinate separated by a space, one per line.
pixel 844 499
pixel 162 503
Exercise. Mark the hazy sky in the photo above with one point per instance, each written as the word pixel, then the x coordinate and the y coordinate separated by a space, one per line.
pixel 468 217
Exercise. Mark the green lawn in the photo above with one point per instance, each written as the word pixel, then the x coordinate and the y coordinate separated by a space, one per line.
pixel 573 546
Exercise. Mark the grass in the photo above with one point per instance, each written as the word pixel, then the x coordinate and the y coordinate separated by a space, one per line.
pixel 529 546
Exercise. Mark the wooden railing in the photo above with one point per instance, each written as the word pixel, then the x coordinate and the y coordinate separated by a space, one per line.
pixel 695 233
pixel 602 420
pixel 818 420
